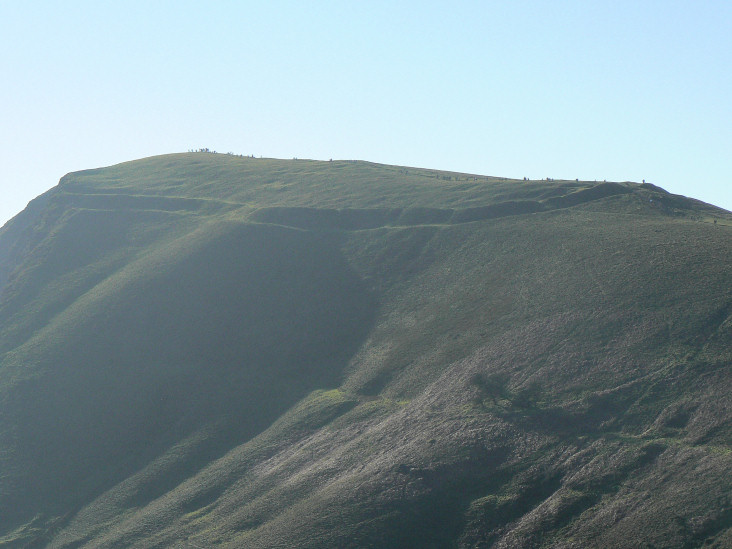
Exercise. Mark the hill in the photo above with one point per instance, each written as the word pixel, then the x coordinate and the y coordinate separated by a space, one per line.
pixel 210 350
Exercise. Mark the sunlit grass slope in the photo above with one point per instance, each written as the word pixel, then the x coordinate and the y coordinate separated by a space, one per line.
pixel 211 350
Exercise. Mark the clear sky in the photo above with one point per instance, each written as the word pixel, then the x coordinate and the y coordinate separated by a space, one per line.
pixel 592 90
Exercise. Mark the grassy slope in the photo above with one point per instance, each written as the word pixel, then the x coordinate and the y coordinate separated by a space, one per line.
pixel 249 351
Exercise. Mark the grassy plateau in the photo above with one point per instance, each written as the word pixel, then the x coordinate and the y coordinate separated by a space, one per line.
pixel 202 350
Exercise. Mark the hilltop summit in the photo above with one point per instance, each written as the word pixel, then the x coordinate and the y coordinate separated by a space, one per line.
pixel 212 350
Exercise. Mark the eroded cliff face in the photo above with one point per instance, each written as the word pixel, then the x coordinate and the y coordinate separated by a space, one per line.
pixel 211 350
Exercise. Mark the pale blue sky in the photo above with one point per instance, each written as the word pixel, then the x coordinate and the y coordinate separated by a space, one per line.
pixel 591 90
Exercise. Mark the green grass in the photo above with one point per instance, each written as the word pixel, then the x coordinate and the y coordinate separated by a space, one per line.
pixel 232 350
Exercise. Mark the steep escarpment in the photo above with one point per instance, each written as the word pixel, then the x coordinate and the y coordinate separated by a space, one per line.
pixel 204 350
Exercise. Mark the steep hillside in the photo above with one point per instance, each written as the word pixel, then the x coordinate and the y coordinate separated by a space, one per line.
pixel 209 350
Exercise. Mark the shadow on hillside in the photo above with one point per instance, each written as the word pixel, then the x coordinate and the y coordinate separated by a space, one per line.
pixel 227 336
